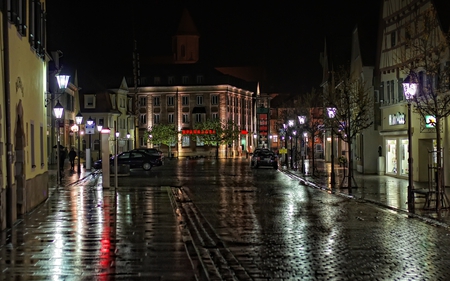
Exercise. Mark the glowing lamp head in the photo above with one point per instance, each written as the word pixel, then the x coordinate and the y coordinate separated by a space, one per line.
pixel 63 80
pixel 301 119
pixel 79 118
pixel 331 112
pixel 90 121
pixel 410 86
pixel 58 110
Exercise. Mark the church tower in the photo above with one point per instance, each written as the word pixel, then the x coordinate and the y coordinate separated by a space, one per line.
pixel 185 43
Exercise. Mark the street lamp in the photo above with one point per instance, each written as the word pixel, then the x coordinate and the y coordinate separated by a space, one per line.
pixel 79 120
pixel 99 129
pixel 291 124
pixel 58 110
pixel 115 159
pixel 89 130
pixel 331 114
pixel 128 141
pixel 410 86
pixel 302 121
pixel 295 152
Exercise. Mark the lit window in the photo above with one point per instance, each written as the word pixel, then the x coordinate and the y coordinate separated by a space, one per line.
pixel 185 118
pixel 156 119
pixel 89 101
pixel 199 100
pixel 170 100
pixel 143 119
pixel 199 142
pixel 143 101
pixel 156 101
pixel 214 99
pixel 185 141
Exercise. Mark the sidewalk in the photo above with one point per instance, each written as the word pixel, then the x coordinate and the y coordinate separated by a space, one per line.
pixel 383 190
pixel 69 177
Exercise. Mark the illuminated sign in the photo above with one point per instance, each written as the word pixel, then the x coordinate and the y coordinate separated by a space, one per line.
pixel 430 121
pixel 198 132
pixel 397 119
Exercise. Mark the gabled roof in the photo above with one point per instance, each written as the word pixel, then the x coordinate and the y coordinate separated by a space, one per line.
pixel 187 26
pixel 443 11
pixel 102 103
pixel 211 76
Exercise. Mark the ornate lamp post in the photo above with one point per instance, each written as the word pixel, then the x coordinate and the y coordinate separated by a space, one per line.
pixel 99 129
pixel 410 86
pixel 89 130
pixel 291 124
pixel 302 121
pixel 331 114
pixel 79 120
pixel 58 110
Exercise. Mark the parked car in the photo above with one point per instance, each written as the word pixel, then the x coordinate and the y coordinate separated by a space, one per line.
pixel 136 159
pixel 264 157
pixel 151 151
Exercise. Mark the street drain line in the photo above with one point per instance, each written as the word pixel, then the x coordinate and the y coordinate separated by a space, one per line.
pixel 216 259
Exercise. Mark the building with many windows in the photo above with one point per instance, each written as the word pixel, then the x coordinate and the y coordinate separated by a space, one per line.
pixel 395 35
pixel 183 91
pixel 23 130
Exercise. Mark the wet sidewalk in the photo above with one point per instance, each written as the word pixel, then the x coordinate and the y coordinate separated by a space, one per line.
pixel 387 191
pixel 86 232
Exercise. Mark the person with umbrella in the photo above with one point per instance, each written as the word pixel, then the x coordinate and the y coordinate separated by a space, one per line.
pixel 72 156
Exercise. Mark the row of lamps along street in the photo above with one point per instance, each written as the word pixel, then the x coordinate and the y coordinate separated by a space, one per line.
pixel 410 87
pixel 58 111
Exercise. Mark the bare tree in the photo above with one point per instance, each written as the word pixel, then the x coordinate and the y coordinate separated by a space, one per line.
pixel 426 55
pixel 311 105
pixel 353 105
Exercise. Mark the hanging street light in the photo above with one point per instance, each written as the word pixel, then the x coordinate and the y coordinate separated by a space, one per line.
pixel 58 110
pixel 302 121
pixel 331 114
pixel 79 120
pixel 410 87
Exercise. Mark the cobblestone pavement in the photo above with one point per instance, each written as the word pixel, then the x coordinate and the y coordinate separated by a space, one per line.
pixel 387 191
pixel 254 224
pixel 85 232
pixel 279 229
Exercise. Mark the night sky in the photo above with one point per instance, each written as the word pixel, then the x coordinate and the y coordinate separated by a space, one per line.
pixel 287 39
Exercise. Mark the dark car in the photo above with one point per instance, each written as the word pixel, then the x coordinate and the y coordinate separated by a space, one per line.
pixel 265 158
pixel 151 151
pixel 136 159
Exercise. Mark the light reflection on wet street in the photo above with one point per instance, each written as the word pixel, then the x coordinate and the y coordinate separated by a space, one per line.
pixel 86 232
pixel 276 228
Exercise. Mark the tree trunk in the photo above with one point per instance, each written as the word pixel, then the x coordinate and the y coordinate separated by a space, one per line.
pixel 439 187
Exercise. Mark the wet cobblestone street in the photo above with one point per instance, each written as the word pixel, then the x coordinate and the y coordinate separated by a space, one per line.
pixel 230 222
pixel 85 232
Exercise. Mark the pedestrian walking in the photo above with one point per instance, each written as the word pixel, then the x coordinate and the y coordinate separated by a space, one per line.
pixel 72 156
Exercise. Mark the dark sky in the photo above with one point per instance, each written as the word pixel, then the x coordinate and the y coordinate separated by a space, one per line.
pixel 286 37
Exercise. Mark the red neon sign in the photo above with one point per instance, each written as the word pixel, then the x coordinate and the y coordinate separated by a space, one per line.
pixel 198 132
